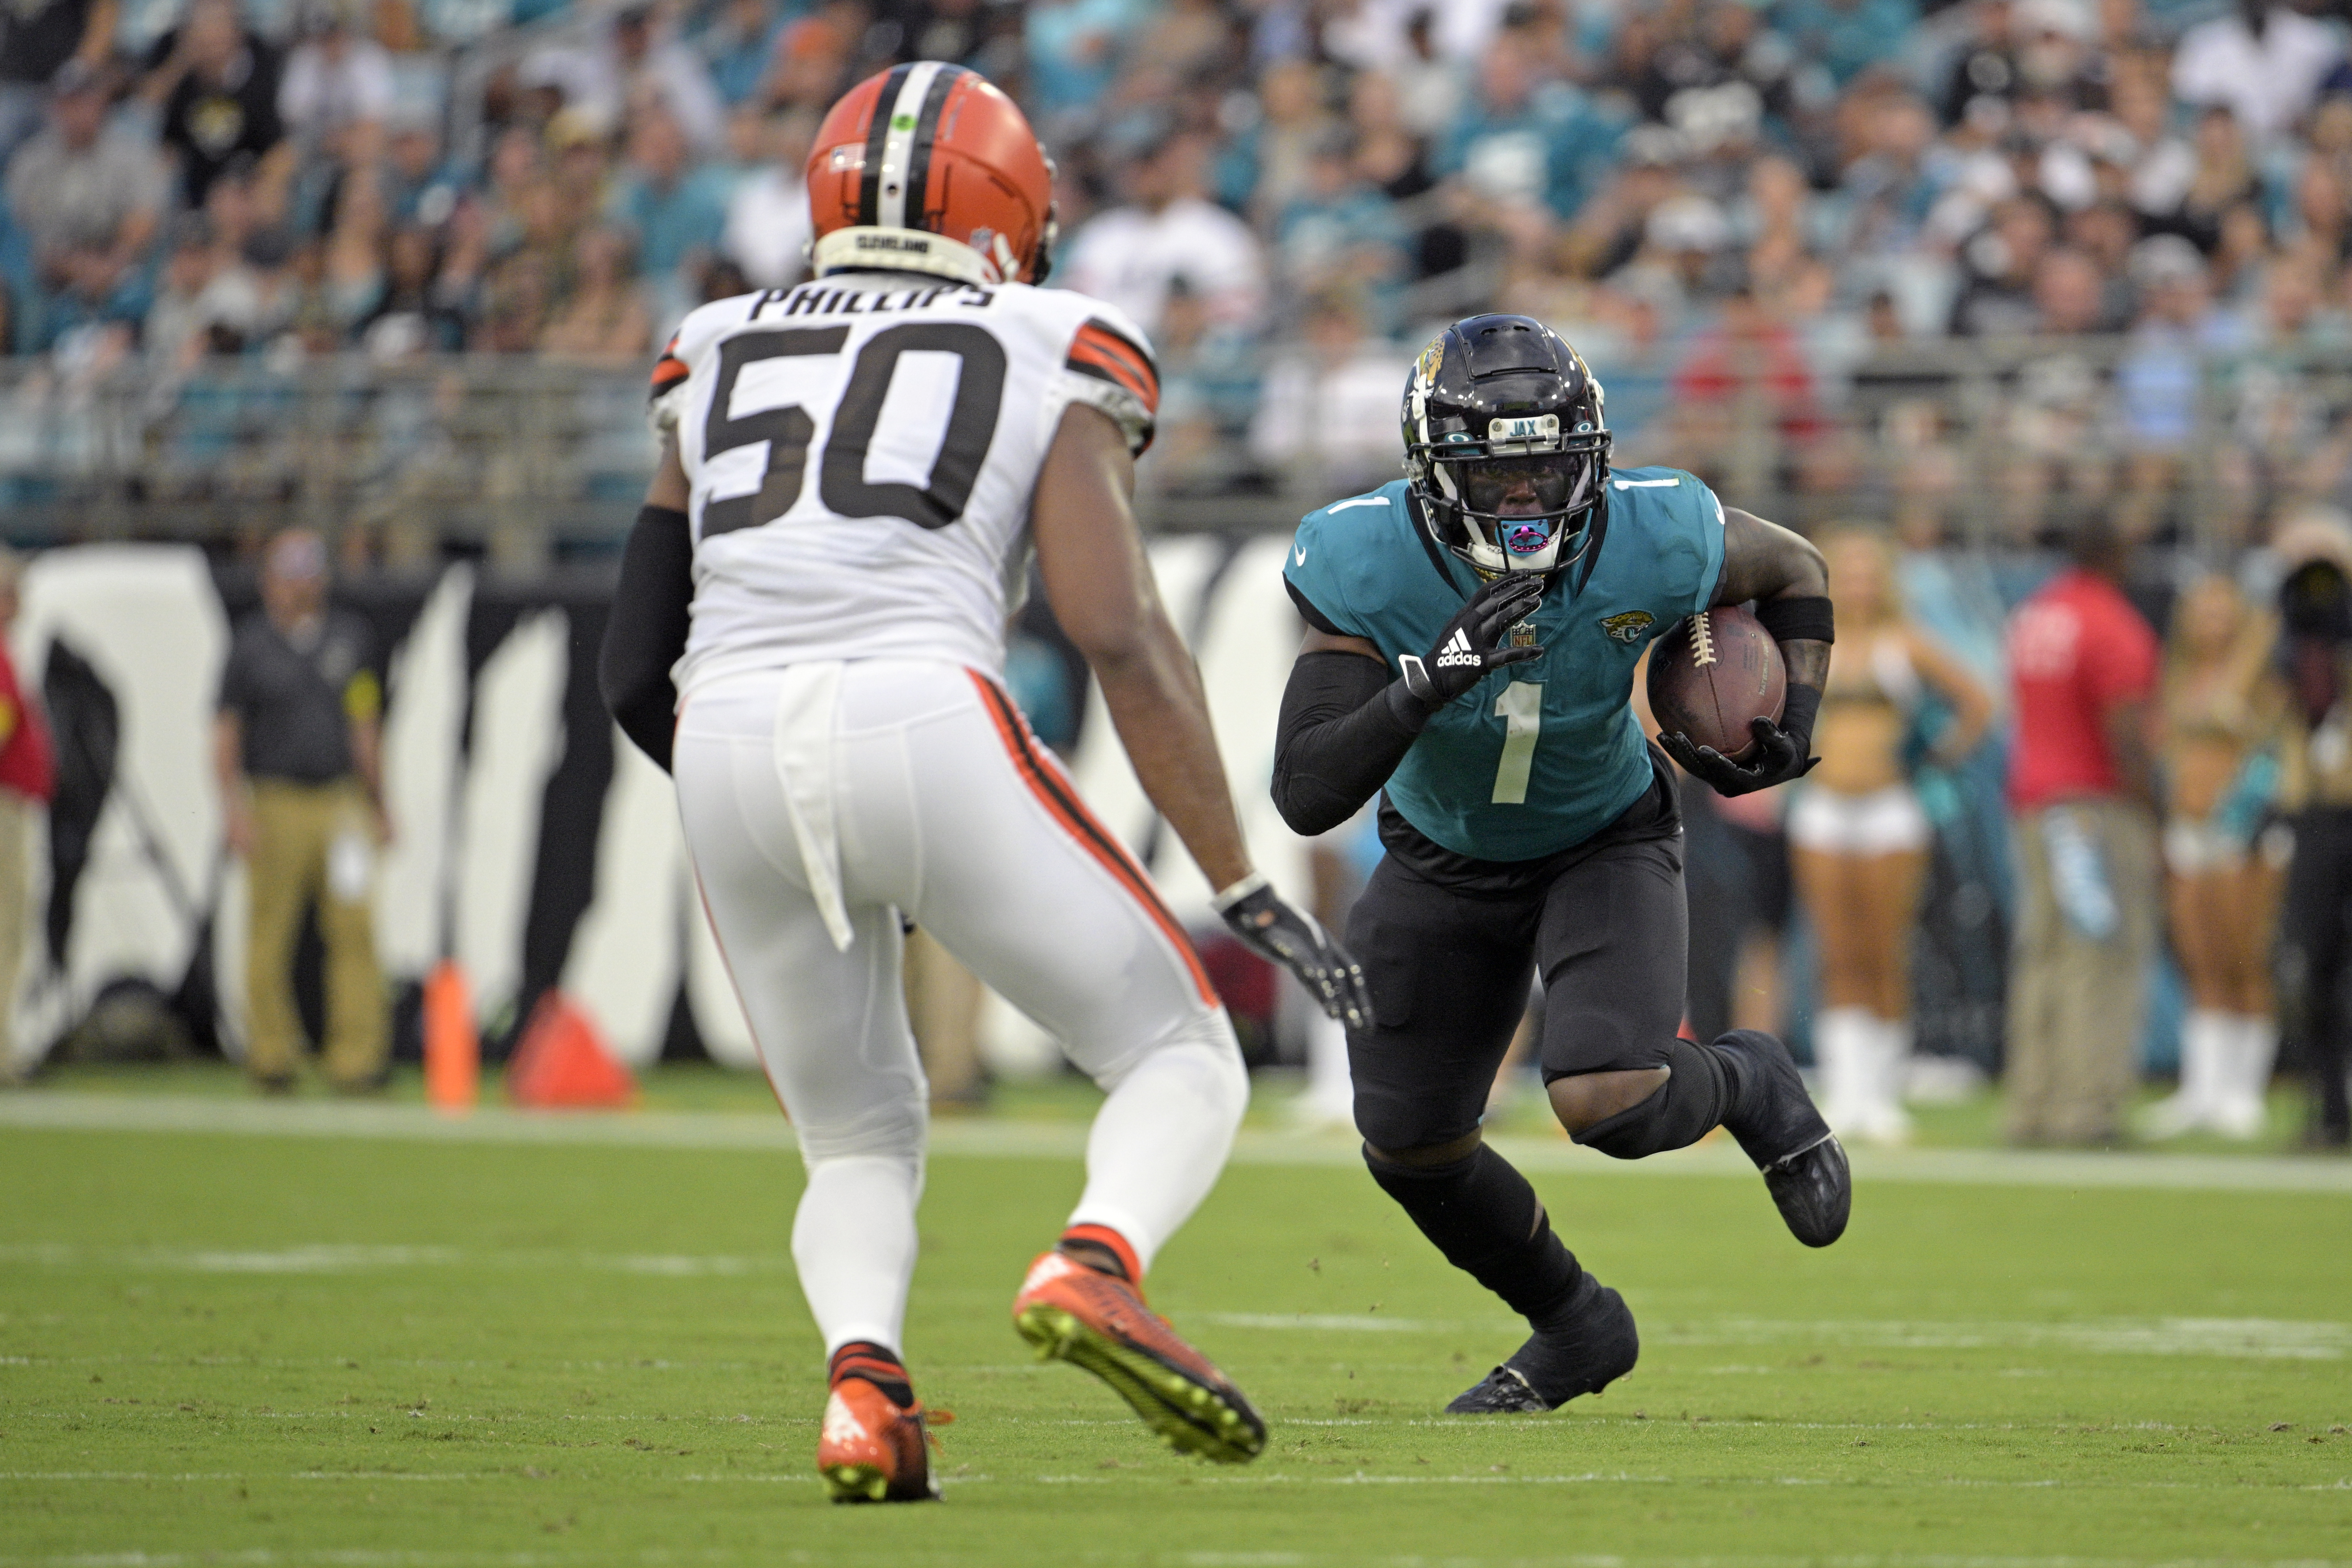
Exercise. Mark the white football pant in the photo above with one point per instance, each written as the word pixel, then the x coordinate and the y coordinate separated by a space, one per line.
pixel 823 801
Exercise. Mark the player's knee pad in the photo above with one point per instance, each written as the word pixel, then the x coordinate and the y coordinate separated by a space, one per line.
pixel 1682 1111
pixel 893 1126
pixel 1586 1039
pixel 1199 1057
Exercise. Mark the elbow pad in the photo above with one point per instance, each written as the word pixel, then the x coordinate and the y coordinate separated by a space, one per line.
pixel 1345 727
pixel 652 608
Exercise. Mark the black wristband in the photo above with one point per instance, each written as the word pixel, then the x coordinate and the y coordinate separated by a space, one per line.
pixel 1798 711
pixel 1810 619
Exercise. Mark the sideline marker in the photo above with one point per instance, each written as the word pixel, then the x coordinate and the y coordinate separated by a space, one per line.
pixel 560 1063
pixel 453 1049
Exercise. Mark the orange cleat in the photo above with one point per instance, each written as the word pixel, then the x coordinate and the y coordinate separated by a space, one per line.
pixel 1098 1322
pixel 872 1450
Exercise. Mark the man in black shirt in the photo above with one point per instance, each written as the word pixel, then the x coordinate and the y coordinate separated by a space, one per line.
pixel 36 37
pixel 296 746
pixel 217 85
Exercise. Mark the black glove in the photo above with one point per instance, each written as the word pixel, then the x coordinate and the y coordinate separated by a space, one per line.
pixel 1783 751
pixel 1290 937
pixel 1467 650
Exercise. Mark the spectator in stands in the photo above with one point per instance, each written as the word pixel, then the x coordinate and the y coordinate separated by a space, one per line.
pixel 605 319
pixel 1525 153
pixel 207 296
pixel 1848 36
pixel 215 84
pixel 295 754
pixel 417 314
pixel 1277 152
pixel 678 210
pixel 27 780
pixel 2263 63
pixel 2070 298
pixel 335 78
pixel 89 198
pixel 1324 417
pixel 37 38
pixel 2316 946
pixel 629 70
pixel 417 186
pixel 1997 299
pixel 768 215
pixel 2081 789
pixel 740 47
pixel 2223 178
pixel 1073 52
pixel 1340 232
pixel 1985 65
pixel 1128 255
pixel 354 258
pixel 2161 165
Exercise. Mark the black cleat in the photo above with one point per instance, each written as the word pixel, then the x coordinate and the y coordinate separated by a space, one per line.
pixel 1556 1365
pixel 1503 1392
pixel 1777 1126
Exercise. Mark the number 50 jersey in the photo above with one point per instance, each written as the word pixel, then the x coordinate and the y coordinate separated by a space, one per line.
pixel 862 450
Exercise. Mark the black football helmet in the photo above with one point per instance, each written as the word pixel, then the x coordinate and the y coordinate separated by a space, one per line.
pixel 1496 401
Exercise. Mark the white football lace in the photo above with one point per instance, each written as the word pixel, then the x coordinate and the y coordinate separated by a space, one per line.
pixel 1702 636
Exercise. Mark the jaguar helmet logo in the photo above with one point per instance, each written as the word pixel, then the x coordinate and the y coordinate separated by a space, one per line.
pixel 1628 626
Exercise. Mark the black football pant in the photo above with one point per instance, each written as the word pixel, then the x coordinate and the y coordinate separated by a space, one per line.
pixel 1603 925
pixel 2315 950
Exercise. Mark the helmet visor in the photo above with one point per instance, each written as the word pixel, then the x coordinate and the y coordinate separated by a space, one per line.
pixel 1533 486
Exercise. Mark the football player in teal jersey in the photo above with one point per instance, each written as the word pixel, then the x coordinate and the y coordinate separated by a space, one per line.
pixel 1474 630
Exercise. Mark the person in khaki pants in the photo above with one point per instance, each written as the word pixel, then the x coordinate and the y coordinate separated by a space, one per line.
pixel 2081 790
pixel 296 748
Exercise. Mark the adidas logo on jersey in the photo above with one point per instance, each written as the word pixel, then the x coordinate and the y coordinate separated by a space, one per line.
pixel 1456 652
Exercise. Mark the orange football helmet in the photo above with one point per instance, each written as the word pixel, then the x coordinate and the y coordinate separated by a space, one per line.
pixel 929 167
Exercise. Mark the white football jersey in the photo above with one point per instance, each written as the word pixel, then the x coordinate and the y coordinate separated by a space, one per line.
pixel 862 449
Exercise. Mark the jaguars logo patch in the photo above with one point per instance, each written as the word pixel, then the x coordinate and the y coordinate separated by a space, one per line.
pixel 1431 358
pixel 1628 627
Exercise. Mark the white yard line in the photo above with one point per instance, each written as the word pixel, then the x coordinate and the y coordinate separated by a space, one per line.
pixel 68 1110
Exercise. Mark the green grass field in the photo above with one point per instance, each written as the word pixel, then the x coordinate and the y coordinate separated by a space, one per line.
pixel 554 1345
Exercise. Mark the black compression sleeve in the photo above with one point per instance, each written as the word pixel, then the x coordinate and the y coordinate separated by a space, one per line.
pixel 1345 726
pixel 647 630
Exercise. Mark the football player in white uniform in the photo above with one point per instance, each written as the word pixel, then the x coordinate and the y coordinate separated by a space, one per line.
pixel 810 631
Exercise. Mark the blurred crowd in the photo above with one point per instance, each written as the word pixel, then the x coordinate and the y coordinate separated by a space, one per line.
pixel 1756 216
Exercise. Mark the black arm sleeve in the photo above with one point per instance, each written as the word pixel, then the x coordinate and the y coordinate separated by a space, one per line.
pixel 1345 726
pixel 647 630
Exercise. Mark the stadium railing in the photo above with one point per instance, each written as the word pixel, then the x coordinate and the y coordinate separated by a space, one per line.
pixel 528 459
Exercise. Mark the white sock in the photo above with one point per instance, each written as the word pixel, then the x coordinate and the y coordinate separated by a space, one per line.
pixel 1894 1063
pixel 2206 1040
pixel 2250 1048
pixel 1844 1049
pixel 1162 1138
pixel 854 1245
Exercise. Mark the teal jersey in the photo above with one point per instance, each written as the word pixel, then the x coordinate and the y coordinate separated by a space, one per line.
pixel 1540 755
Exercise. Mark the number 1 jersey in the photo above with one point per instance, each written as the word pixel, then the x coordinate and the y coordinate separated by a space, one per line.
pixel 862 450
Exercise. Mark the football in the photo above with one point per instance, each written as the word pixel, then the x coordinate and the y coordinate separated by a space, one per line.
pixel 1711 674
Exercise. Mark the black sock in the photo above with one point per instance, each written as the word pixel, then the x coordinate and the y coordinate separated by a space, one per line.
pixel 877 1364
pixel 1482 1215
pixel 1700 1092
pixel 1590 1343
